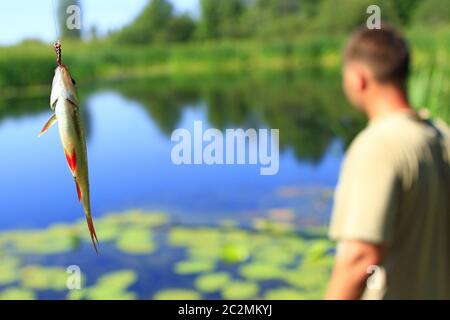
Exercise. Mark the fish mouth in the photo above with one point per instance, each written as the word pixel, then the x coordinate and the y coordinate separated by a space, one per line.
pixel 63 73
pixel 64 85
pixel 62 67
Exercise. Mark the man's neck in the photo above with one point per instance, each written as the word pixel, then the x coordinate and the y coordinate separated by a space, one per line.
pixel 387 102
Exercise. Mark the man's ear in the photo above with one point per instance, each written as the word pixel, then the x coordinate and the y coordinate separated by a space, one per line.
pixel 361 77
pixel 353 81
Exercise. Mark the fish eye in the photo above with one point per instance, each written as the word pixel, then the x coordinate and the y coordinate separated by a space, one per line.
pixel 73 81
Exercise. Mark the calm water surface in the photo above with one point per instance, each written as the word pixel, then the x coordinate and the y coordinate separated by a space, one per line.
pixel 129 147
pixel 128 126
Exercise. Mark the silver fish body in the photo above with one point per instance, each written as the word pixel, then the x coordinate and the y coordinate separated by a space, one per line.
pixel 64 101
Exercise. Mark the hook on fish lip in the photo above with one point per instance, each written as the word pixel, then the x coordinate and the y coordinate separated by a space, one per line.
pixel 58 53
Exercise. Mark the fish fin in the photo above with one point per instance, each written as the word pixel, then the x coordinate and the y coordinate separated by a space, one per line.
pixel 89 220
pixel 91 227
pixel 49 123
pixel 71 160
pixel 80 195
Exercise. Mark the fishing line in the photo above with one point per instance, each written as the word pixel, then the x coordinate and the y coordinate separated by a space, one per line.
pixel 55 20
pixel 57 43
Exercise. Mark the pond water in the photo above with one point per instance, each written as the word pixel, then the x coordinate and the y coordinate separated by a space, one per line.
pixel 129 125
pixel 129 147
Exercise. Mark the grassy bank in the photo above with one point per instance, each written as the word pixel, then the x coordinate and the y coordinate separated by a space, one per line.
pixel 27 69
pixel 91 61
pixel 31 64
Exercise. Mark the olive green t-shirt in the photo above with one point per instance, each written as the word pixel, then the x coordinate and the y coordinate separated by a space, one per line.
pixel 394 190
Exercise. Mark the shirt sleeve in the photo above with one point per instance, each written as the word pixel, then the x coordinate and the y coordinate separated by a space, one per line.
pixel 366 199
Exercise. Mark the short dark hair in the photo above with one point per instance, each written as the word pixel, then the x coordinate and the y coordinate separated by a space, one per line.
pixel 384 51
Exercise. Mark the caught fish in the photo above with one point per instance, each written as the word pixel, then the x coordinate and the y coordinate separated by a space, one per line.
pixel 64 102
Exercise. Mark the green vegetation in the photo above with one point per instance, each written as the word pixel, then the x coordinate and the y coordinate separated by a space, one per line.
pixel 194 266
pixel 254 63
pixel 240 290
pixel 42 241
pixel 36 277
pixel 136 240
pixel 235 38
pixel 212 282
pixel 243 19
pixel 275 62
pixel 156 23
pixel 111 286
pixel 300 268
pixel 8 269
pixel 311 116
pixel 103 60
pixel 261 271
pixel 429 88
pixel 17 294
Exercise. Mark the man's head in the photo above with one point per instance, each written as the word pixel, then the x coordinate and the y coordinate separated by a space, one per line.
pixel 374 60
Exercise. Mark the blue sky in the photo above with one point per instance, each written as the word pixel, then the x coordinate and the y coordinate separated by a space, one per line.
pixel 21 19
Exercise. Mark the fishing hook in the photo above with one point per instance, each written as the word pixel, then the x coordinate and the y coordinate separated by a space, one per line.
pixel 58 52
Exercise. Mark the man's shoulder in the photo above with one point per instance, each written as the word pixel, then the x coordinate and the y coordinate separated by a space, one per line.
pixel 397 133
pixel 443 128
pixel 374 138
pixel 399 141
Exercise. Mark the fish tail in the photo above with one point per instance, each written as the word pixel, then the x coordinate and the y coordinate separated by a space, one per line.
pixel 91 227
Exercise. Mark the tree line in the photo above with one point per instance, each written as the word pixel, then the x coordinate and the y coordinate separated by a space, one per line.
pixel 232 19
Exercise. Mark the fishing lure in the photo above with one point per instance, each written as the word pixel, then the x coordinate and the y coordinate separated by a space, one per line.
pixel 65 104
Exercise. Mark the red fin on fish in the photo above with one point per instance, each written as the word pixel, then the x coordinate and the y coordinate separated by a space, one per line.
pixel 78 190
pixel 71 160
pixel 94 239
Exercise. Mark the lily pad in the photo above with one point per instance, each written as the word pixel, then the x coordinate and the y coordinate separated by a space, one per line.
pixel 240 290
pixel 275 254
pixel 107 231
pixel 260 240
pixel 17 294
pixel 272 226
pixel 38 277
pixel 194 266
pixel 76 294
pixel 234 253
pixel 261 271
pixel 212 282
pixel 102 293
pixel 110 226
pixel 136 241
pixel 8 270
pixel 117 280
pixel 177 294
pixel 307 279
pixel 318 249
pixel 111 286
pixel 139 218
pixel 56 239
pixel 187 237
pixel 293 244
pixel 323 262
pixel 235 235
pixel 180 237
pixel 206 252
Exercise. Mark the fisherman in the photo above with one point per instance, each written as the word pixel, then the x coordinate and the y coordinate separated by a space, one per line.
pixel 391 215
